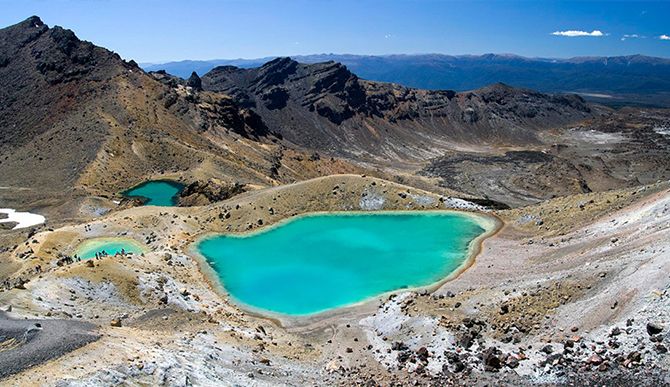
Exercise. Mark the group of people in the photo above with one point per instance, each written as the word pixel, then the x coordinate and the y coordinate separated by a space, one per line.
pixel 8 284
pixel 100 254
pixel 66 260
pixel 103 253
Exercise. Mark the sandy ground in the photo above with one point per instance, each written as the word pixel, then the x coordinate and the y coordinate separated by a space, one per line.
pixel 561 274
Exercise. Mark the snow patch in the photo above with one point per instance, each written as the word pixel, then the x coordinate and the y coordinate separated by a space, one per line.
pixel 24 219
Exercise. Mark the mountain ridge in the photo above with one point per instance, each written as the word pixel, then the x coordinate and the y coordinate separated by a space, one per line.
pixel 356 117
pixel 631 78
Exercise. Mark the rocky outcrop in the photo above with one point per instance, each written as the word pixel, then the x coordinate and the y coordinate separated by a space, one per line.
pixel 48 80
pixel 202 193
pixel 194 81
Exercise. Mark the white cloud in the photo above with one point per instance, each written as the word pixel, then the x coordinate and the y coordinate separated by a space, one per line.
pixel 573 33
pixel 633 36
pixel 664 37
pixel 389 36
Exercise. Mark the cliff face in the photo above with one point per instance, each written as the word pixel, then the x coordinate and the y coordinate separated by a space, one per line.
pixel 324 106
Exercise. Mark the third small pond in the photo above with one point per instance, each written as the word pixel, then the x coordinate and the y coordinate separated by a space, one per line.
pixel 163 193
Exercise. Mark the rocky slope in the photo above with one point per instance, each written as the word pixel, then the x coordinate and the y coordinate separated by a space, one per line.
pixel 326 107
pixel 78 121
pixel 620 149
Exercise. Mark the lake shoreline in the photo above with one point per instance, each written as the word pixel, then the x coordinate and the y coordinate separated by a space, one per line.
pixel 490 224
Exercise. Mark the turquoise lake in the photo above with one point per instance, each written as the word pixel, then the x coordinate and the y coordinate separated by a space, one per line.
pixel 318 262
pixel 161 193
pixel 111 246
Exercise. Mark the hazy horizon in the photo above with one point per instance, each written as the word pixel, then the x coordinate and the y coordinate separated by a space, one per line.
pixel 152 31
pixel 390 55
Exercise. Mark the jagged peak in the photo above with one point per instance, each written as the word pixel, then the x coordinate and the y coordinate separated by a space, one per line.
pixel 33 21
pixel 31 24
pixel 224 69
pixel 23 33
pixel 280 62
pixel 194 81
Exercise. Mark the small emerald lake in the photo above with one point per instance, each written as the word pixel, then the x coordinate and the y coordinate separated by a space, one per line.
pixel 317 262
pixel 111 246
pixel 163 193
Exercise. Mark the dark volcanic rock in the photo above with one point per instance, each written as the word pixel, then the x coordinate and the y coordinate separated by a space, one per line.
pixel 194 81
pixel 491 360
pixel 399 346
pixel 422 354
pixel 654 328
pixel 512 361
pixel 210 191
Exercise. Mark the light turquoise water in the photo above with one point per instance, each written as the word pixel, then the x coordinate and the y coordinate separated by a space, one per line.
pixel 159 193
pixel 319 262
pixel 87 249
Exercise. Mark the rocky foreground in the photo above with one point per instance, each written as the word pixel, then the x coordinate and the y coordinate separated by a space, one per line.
pixel 547 302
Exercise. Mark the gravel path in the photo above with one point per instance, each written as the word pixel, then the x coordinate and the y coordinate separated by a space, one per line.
pixel 36 341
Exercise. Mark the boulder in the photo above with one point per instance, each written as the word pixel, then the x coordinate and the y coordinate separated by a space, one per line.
pixel 654 328
pixel 492 362
pixel 399 346
pixel 512 361
pixel 422 354
pixel 595 360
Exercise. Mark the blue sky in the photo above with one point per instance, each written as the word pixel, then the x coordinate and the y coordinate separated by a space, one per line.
pixel 167 30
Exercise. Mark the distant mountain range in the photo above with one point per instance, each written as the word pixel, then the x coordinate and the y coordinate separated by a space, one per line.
pixel 621 79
